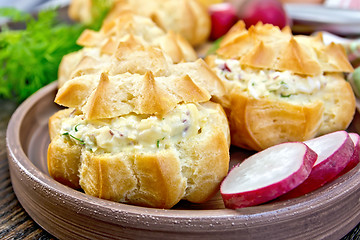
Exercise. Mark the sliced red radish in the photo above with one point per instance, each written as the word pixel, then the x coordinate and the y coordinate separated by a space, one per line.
pixel 355 158
pixel 268 174
pixel 334 152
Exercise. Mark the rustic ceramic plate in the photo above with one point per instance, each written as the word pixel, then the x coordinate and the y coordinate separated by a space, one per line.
pixel 330 212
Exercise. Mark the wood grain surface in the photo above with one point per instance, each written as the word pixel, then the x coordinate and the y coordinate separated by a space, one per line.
pixel 15 222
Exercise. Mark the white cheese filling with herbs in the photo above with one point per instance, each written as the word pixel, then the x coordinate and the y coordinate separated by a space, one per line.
pixel 264 83
pixel 135 131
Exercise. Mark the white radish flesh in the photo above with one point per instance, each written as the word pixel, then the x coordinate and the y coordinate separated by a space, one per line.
pixel 267 174
pixel 334 152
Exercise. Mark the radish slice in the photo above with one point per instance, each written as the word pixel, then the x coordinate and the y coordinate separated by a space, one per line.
pixel 267 174
pixel 334 152
pixel 355 158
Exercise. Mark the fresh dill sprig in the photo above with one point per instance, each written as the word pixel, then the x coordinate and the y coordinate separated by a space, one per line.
pixel 214 46
pixel 30 57
pixel 82 142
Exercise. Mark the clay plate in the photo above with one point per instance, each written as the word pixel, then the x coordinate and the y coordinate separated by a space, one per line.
pixel 330 212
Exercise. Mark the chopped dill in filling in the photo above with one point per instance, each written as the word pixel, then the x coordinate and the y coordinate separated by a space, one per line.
pixel 135 131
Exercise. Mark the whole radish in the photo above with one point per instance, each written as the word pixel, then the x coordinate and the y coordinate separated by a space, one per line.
pixel 223 17
pixel 265 11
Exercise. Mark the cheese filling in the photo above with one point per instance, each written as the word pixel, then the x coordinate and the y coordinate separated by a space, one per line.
pixel 260 83
pixel 130 132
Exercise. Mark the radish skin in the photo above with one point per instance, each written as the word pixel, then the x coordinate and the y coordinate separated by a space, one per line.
pixel 269 11
pixel 334 153
pixel 268 174
pixel 355 158
pixel 223 17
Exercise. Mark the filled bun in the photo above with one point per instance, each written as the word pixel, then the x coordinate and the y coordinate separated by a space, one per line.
pixel 189 18
pixel 99 46
pixel 281 87
pixel 141 130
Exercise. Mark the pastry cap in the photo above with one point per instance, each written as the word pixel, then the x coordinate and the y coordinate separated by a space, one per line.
pixel 266 46
pixel 189 18
pixel 139 79
pixel 100 45
pixel 143 29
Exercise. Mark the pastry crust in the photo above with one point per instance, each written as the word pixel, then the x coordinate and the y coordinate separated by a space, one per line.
pixel 281 87
pixel 139 79
pixel 268 47
pixel 128 27
pixel 189 18
pixel 81 10
pixel 260 123
pixel 64 161
pixel 189 168
pixel 118 177
pixel 54 122
pixel 339 105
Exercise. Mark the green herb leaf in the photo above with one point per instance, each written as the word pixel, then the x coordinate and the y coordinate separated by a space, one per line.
pixel 14 15
pixel 29 58
pixel 81 141
pixel 78 139
pixel 285 96
pixel 215 46
pixel 158 143
pixel 76 127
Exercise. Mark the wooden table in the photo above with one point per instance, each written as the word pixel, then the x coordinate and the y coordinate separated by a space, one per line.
pixel 15 223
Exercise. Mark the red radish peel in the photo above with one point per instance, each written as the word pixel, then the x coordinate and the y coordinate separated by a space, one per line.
pixel 355 158
pixel 223 17
pixel 267 174
pixel 334 152
pixel 269 11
